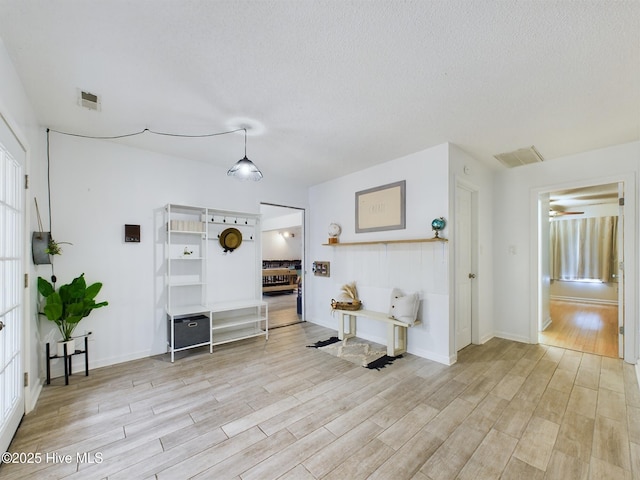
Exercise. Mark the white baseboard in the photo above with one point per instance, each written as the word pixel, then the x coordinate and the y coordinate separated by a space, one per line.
pixel 546 324
pixel 57 368
pixel 382 340
pixel 486 338
pixel 515 338
pixel 595 301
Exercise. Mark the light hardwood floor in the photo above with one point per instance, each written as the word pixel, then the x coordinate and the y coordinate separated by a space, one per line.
pixel 272 409
pixel 585 327
pixel 283 309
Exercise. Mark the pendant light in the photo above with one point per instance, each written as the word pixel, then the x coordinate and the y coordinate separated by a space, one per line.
pixel 244 169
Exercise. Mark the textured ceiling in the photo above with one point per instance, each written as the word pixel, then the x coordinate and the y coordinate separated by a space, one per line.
pixel 331 87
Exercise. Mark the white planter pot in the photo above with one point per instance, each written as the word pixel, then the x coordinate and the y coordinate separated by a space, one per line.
pixel 71 347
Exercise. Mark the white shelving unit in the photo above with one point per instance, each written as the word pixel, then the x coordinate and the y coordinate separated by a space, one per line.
pixel 231 321
pixel 200 278
pixel 186 270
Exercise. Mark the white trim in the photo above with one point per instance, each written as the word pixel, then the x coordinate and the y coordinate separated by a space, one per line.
pixel 25 350
pixel 630 256
pixel 546 324
pixel 474 189
pixel 594 301
pixel 515 338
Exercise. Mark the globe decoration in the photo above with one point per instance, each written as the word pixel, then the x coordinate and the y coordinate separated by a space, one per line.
pixel 438 224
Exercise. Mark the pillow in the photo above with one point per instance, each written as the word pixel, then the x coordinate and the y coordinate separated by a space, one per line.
pixel 404 307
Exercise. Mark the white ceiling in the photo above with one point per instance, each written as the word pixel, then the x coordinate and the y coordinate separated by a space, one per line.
pixel 331 87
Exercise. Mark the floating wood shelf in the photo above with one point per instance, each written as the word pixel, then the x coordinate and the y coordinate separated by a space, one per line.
pixel 376 242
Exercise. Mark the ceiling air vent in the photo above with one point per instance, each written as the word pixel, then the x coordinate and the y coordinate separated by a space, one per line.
pixel 88 100
pixel 517 158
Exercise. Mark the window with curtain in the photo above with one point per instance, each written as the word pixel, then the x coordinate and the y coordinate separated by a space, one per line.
pixel 584 249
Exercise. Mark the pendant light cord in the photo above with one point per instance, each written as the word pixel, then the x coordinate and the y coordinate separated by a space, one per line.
pixel 165 134
pixel 53 272
pixel 115 137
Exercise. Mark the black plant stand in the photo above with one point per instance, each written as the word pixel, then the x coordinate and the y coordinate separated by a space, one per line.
pixel 67 359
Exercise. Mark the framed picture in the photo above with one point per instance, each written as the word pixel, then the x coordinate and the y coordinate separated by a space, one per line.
pixel 381 208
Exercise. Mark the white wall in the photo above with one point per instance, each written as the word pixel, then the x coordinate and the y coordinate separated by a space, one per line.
pixel 376 269
pixel 515 233
pixel 282 222
pixel 17 110
pixel 275 246
pixel 97 187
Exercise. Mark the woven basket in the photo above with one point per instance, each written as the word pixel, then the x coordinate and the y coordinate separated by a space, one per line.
pixel 355 305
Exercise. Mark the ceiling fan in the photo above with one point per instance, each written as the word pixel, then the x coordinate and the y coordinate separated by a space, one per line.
pixel 560 213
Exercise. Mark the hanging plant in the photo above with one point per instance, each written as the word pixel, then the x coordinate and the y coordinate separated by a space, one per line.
pixel 42 245
pixel 53 247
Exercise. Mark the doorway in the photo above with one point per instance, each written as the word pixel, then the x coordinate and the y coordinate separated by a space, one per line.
pixel 12 305
pixel 581 245
pixel 282 263
pixel 465 265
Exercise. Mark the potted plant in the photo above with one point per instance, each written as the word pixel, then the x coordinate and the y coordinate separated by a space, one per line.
pixel 53 247
pixel 68 305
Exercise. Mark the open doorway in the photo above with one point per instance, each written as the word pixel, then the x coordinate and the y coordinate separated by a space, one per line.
pixel 582 284
pixel 282 261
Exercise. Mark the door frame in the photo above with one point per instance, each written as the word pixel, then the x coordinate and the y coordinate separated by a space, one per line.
pixel 28 330
pixel 303 317
pixel 475 327
pixel 630 240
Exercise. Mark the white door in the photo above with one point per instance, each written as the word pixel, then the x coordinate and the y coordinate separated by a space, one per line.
pixel 12 158
pixel 463 269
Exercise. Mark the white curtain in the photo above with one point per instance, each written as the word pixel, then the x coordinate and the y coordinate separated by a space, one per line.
pixel 584 249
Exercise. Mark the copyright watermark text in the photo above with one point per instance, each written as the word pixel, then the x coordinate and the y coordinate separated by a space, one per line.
pixel 51 457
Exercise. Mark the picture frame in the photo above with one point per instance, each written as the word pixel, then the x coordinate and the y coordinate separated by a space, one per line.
pixel 381 208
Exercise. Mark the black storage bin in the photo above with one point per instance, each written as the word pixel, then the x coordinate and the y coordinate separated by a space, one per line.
pixel 188 331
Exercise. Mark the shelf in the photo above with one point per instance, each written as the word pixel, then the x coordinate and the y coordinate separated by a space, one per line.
pixel 377 242
pixel 236 321
pixel 236 305
pixel 205 344
pixel 196 230
pixel 235 335
pixel 185 284
pixel 188 232
pixel 188 310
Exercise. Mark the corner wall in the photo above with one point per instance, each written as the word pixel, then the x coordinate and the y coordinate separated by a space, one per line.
pixel 96 188
pixel 378 268
pixel 515 233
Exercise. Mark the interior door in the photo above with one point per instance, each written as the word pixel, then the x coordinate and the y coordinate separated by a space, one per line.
pixel 12 160
pixel 463 270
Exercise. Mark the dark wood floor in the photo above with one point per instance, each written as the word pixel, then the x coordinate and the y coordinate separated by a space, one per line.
pixel 276 409
pixel 585 327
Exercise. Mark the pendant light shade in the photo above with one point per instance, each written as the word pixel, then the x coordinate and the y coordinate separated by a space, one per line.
pixel 245 169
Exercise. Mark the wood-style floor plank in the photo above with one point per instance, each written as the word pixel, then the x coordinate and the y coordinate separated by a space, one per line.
pixel 585 327
pixel 276 409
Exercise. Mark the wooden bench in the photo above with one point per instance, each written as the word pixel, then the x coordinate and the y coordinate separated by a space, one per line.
pixel 279 279
pixel 396 330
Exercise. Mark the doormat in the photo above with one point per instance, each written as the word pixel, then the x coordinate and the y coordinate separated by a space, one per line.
pixel 360 352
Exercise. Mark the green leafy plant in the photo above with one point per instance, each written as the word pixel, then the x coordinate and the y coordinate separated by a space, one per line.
pixel 69 304
pixel 53 247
